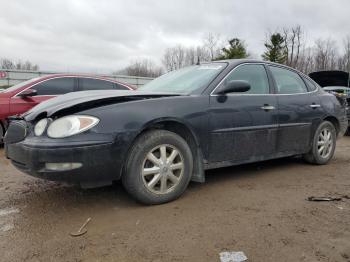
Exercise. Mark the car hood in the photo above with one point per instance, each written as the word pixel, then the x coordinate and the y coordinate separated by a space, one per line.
pixel 83 100
pixel 331 78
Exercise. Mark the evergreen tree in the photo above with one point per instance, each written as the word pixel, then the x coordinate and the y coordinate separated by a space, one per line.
pixel 236 50
pixel 276 51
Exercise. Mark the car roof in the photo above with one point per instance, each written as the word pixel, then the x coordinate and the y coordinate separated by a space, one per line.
pixel 239 61
pixel 83 76
pixel 234 62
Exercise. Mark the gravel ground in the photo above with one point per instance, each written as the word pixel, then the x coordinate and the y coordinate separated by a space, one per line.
pixel 259 209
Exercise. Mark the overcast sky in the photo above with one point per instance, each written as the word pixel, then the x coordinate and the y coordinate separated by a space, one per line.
pixel 102 36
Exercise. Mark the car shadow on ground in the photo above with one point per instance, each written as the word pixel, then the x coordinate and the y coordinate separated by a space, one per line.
pixel 41 192
pixel 258 169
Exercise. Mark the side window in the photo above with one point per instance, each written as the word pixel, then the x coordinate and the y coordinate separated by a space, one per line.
pixel 287 81
pixel 310 85
pixel 95 84
pixel 57 86
pixel 255 75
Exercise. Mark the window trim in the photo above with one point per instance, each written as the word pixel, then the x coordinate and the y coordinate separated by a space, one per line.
pixel 102 79
pixel 305 77
pixel 232 70
pixel 301 75
pixel 269 76
pixel 79 85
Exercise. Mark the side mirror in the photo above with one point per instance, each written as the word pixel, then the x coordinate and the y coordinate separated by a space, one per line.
pixel 28 93
pixel 234 86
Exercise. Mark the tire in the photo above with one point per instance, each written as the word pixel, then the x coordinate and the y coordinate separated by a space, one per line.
pixel 317 155
pixel 147 179
pixel 2 134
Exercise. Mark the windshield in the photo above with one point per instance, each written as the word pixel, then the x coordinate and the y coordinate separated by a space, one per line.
pixel 19 85
pixel 185 80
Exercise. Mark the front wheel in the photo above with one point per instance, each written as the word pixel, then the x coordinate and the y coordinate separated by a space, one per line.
pixel 159 167
pixel 323 145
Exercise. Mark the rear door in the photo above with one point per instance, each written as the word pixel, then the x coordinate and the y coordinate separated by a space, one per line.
pixel 300 111
pixel 45 90
pixel 243 126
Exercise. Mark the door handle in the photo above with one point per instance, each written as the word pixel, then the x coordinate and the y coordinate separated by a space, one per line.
pixel 313 105
pixel 268 107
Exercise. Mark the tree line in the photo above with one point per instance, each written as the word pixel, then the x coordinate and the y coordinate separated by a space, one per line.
pixel 287 46
pixel 9 64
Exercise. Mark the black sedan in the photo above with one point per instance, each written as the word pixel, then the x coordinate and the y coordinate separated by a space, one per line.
pixel 161 137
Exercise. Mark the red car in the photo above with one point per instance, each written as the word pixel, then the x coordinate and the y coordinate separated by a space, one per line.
pixel 23 96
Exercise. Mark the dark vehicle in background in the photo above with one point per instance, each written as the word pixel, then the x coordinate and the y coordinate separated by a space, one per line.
pixel 164 135
pixel 25 95
pixel 336 83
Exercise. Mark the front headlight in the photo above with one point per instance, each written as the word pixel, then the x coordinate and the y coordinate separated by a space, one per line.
pixel 71 125
pixel 40 127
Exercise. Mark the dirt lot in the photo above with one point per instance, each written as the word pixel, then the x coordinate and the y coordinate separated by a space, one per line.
pixel 259 209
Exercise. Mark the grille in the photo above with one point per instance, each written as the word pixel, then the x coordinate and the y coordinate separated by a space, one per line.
pixel 16 132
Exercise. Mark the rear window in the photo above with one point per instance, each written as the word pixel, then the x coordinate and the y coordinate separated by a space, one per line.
pixel 288 82
pixel 95 84
pixel 310 85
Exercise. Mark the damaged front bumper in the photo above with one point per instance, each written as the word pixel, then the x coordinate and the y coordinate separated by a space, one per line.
pixel 89 159
pixel 89 165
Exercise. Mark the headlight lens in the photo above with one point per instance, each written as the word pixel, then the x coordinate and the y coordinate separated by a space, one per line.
pixel 71 125
pixel 40 127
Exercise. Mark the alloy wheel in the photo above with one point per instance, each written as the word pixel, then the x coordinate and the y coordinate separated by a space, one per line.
pixel 162 169
pixel 325 143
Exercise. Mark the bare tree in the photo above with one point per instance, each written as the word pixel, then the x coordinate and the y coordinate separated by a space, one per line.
pixel 306 62
pixel 190 56
pixel 174 57
pixel 347 54
pixel 203 55
pixel 6 63
pixel 179 56
pixel 211 43
pixel 325 54
pixel 143 68
pixel 293 41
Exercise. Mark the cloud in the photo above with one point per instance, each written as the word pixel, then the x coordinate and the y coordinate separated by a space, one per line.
pixel 103 36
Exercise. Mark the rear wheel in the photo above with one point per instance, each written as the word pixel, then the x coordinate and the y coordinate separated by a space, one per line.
pixel 159 167
pixel 323 145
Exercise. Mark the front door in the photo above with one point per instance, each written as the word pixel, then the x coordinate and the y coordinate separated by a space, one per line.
pixel 243 126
